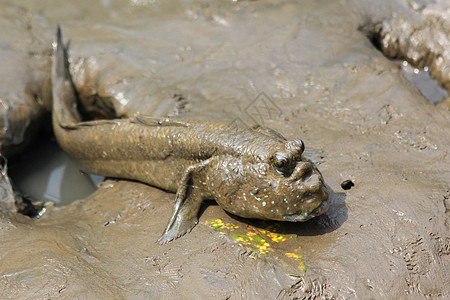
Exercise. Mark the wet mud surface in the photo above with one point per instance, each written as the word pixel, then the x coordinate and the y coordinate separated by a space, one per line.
pixel 306 70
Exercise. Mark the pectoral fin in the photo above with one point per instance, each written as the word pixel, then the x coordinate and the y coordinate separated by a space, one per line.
pixel 188 201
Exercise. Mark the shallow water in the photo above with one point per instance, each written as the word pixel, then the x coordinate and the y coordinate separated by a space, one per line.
pixel 424 82
pixel 45 173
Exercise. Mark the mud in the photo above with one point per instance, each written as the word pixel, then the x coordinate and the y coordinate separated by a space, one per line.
pixel 305 69
pixel 25 90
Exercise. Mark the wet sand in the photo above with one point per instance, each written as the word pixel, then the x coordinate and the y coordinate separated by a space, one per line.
pixel 306 70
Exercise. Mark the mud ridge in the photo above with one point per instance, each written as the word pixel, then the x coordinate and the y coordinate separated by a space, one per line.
pixel 423 43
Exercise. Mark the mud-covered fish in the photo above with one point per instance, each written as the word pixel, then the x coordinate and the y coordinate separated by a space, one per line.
pixel 250 172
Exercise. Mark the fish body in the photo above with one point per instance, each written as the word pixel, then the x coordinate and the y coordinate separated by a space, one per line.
pixel 252 172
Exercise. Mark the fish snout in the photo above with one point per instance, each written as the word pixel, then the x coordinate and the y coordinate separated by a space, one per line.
pixel 312 198
pixel 302 171
pixel 307 175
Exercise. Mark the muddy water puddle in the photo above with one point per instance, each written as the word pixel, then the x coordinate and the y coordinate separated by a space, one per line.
pixel 45 173
pixel 422 79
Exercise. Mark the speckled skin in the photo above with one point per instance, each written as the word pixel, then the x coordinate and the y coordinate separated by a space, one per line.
pixel 197 159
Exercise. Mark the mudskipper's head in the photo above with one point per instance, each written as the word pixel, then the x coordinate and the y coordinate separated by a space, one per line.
pixel 281 185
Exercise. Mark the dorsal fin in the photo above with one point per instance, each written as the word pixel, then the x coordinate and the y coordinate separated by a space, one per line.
pixel 156 121
pixel 79 125
pixel 268 131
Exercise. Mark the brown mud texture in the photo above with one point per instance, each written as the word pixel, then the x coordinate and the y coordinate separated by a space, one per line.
pixel 311 70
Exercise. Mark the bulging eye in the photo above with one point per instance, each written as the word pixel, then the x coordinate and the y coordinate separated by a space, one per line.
pixel 296 147
pixel 283 163
pixel 280 162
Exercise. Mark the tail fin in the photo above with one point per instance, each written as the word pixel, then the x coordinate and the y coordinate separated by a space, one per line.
pixel 65 97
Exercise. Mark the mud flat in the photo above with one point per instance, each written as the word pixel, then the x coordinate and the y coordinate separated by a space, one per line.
pixel 308 70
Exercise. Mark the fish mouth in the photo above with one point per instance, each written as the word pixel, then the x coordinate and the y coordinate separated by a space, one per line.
pixel 300 216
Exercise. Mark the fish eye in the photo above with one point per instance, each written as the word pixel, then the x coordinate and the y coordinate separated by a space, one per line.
pixel 280 162
pixel 296 147
pixel 302 144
